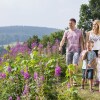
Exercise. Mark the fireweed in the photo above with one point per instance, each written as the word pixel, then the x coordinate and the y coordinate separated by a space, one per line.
pixel 41 79
pixel 57 71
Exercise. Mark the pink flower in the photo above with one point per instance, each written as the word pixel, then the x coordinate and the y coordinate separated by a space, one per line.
pixel 57 71
pixel 9 69
pixel 35 75
pixel 68 85
pixel 18 98
pixel 26 75
pixel 22 72
pixel 42 78
pixel 34 45
pixel 26 89
pixel 40 46
pixel 10 98
pixel 2 75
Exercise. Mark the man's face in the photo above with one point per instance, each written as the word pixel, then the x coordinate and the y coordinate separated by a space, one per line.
pixel 72 24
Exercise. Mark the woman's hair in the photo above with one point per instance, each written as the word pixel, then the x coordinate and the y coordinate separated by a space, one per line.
pixel 98 23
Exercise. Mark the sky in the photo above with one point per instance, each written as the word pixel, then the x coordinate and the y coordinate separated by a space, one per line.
pixel 43 13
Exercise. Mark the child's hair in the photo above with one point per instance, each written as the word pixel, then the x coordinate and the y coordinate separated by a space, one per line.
pixel 90 41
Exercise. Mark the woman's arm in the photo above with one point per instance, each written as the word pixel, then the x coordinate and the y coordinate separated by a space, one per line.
pixel 86 39
pixel 81 43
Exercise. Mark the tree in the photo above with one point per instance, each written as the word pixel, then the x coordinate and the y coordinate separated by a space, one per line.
pixel 56 35
pixel 45 40
pixel 88 13
pixel 52 37
pixel 33 39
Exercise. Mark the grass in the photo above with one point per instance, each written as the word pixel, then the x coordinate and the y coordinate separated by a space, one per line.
pixel 85 93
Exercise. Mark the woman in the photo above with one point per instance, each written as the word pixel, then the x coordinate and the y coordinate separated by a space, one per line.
pixel 94 35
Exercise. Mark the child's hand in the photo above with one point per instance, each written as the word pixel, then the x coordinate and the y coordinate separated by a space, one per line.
pixel 86 51
pixel 89 65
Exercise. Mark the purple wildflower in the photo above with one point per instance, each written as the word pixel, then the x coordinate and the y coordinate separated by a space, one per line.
pixel 22 72
pixel 54 47
pixel 0 74
pixel 9 69
pixel 0 59
pixel 40 46
pixel 3 75
pixel 26 89
pixel 57 71
pixel 35 75
pixel 26 75
pixel 68 85
pixel 34 45
pixel 18 98
pixel 42 78
pixel 57 41
pixel 10 98
pixel 19 48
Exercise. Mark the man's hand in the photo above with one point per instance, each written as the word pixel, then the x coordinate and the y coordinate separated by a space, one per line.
pixel 60 48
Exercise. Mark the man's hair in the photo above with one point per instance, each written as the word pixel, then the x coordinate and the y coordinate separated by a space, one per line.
pixel 73 19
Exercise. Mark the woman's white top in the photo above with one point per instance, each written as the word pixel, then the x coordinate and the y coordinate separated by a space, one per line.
pixel 96 39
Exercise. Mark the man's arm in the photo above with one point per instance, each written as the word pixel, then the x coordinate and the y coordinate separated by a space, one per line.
pixel 62 41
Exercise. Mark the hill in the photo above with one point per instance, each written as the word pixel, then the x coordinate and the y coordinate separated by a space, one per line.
pixel 11 34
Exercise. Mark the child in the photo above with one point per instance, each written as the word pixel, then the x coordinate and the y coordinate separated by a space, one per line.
pixel 89 59
pixel 98 68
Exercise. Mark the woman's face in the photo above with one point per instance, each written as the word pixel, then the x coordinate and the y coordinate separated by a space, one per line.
pixel 95 26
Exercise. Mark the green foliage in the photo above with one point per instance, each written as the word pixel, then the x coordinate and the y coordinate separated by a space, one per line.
pixel 32 40
pixel 88 13
pixel 56 35
pixel 52 37
pixel 14 83
pixel 45 40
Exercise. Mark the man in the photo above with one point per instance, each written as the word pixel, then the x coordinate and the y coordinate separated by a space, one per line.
pixel 74 39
